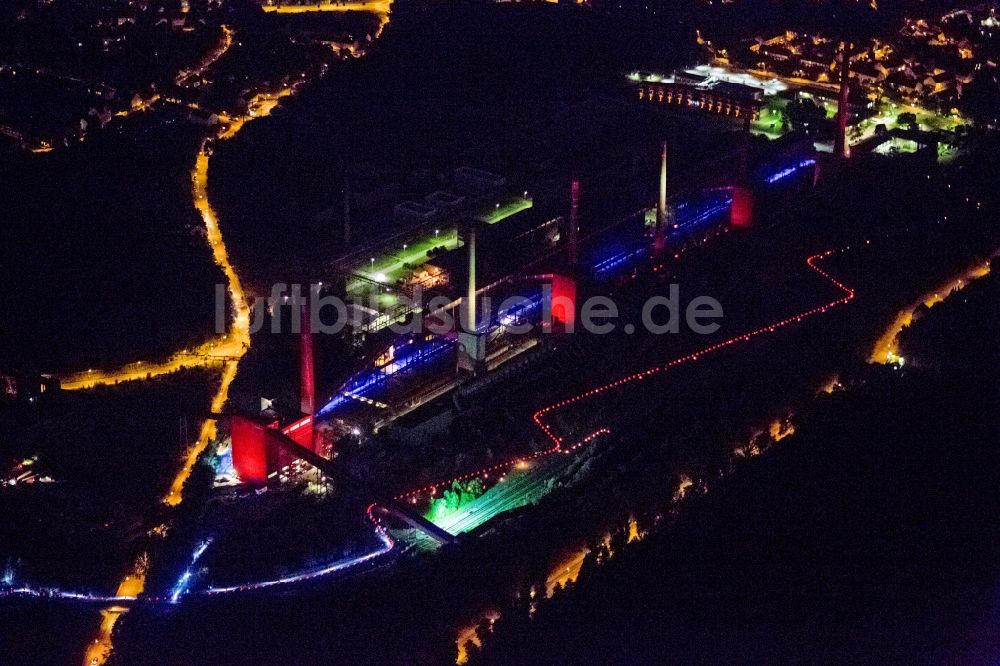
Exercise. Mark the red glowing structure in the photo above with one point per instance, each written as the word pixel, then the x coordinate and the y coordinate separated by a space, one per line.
pixel 255 453
pixel 563 306
pixel 301 432
pixel 741 211
pixel 251 458
pixel 307 368
pixel 257 445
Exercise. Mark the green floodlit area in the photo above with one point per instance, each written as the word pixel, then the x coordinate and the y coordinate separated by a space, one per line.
pixel 896 145
pixel 392 267
pixel 512 205
pixel 901 116
pixel 465 505
pixel 409 261
pixel 772 121
pixel 398 264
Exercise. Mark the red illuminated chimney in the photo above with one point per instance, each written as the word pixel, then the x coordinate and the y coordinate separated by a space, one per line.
pixel 308 378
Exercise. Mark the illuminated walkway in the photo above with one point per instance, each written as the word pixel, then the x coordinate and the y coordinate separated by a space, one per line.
pixel 558 445
pixel 886 349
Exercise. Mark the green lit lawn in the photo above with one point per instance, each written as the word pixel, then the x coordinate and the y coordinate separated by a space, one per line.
pixel 889 114
pixel 896 145
pixel 470 507
pixel 394 265
pixel 511 205
pixel 390 266
pixel 771 121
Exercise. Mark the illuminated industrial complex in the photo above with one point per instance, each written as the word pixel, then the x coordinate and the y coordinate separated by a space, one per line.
pixel 484 341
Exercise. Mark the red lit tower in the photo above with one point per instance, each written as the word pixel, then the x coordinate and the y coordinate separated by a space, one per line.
pixel 307 378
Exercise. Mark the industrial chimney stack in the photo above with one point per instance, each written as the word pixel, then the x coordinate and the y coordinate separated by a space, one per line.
pixel 471 344
pixel 660 232
pixel 574 223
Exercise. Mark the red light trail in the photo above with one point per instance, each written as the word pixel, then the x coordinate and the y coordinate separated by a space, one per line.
pixel 770 328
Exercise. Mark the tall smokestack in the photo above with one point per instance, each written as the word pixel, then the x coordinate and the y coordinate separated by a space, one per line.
pixel 470 305
pixel 306 369
pixel 574 222
pixel 659 239
pixel 471 344
pixel 840 147
pixel 347 212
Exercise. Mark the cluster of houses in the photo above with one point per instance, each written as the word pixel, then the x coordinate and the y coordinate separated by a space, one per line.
pixel 927 60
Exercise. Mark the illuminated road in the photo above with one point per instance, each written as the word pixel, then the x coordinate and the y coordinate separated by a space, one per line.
pixel 225 42
pixel 223 351
pixel 233 345
pixel 236 342
pixel 565 572
pixel 380 7
pixel 130 587
pixel 469 636
pixel 225 348
pixel 886 349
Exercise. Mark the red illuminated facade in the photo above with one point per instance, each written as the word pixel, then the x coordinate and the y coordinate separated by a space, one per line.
pixel 563 306
pixel 301 432
pixel 250 451
pixel 256 455
pixel 741 211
